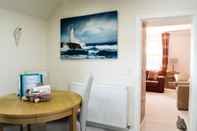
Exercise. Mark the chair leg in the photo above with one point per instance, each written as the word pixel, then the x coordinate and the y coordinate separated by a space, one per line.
pixel 28 127
pixel 21 127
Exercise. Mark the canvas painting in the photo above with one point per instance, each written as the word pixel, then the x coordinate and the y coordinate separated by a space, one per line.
pixel 89 37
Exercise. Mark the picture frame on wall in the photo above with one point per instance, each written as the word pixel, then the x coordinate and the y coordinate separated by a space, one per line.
pixel 91 36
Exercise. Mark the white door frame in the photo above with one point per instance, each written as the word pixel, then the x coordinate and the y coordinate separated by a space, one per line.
pixel 193 103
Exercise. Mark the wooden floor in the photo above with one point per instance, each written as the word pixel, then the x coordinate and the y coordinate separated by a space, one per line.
pixel 161 112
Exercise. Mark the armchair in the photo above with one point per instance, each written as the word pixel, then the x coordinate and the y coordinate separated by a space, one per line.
pixel 155 84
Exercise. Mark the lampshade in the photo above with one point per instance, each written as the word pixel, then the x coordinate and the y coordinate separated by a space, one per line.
pixel 173 60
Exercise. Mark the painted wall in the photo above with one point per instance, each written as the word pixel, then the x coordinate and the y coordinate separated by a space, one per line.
pixel 193 91
pixel 179 47
pixel 124 69
pixel 30 55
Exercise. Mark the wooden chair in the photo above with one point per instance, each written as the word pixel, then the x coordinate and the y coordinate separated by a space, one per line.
pixel 84 90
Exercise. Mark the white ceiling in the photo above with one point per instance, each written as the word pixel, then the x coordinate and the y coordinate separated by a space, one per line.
pixel 38 8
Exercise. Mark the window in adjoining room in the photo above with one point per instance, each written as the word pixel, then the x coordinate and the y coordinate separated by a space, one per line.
pixel 153 50
pixel 154 44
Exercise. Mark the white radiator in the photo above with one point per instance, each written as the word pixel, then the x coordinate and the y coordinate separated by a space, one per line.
pixel 108 104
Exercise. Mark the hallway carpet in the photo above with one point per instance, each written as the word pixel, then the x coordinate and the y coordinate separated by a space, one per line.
pixel 161 112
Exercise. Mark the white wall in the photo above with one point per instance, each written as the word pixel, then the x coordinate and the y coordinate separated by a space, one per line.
pixel 30 55
pixel 193 91
pixel 179 47
pixel 70 70
pixel 125 68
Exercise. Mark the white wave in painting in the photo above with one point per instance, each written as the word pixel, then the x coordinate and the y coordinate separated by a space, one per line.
pixel 102 47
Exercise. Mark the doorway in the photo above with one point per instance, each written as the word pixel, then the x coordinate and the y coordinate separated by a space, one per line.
pixel 172 68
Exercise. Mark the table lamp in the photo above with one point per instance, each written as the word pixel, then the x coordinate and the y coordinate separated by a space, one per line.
pixel 173 62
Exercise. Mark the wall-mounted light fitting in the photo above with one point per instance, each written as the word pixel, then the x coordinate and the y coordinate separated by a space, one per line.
pixel 17 35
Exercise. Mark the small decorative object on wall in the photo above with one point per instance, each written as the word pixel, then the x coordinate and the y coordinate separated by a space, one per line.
pixel 17 35
pixel 89 37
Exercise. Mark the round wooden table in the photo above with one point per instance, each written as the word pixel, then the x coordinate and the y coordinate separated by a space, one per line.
pixel 63 104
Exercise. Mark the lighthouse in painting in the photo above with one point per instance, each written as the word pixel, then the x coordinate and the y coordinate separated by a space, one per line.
pixel 73 42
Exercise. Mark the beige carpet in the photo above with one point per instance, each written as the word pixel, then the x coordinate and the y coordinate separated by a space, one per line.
pixel 161 112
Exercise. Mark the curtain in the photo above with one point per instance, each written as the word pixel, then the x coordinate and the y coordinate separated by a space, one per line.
pixel 165 46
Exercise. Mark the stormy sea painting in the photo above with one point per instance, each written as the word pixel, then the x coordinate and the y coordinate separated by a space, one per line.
pixel 90 37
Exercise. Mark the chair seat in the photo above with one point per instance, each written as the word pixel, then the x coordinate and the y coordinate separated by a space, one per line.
pixel 60 125
pixel 9 127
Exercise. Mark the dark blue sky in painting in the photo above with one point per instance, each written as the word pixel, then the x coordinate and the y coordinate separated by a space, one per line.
pixel 96 28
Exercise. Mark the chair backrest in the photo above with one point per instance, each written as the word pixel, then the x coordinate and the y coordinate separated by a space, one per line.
pixel 84 90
